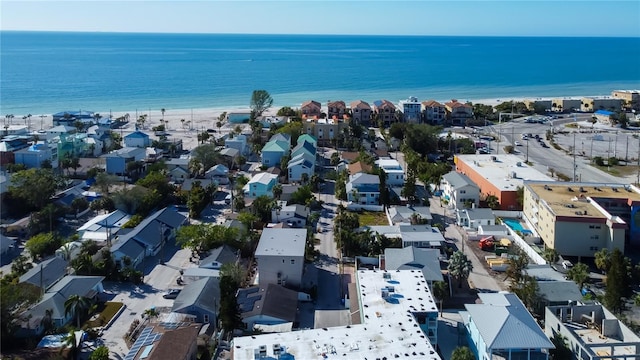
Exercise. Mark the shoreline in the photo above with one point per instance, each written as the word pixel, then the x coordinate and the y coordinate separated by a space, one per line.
pixel 202 114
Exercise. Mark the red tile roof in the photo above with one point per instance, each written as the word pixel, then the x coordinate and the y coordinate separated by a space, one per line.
pixel 360 105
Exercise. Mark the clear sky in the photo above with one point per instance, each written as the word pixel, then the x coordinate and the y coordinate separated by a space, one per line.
pixel 419 17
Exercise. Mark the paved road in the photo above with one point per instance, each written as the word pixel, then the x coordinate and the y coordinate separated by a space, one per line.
pixel 544 159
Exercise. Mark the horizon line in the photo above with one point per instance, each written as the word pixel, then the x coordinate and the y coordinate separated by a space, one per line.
pixel 311 34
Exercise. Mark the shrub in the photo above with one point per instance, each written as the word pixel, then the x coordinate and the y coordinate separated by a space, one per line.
pixel 613 161
pixel 598 160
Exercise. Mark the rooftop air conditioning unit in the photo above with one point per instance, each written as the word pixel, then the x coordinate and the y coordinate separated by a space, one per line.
pixel 277 350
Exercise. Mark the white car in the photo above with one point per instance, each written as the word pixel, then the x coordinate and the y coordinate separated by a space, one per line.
pixel 517 143
pixel 566 264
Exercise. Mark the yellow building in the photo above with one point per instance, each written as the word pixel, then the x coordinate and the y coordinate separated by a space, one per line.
pixel 566 104
pixel 578 219
pixel 325 130
pixel 630 98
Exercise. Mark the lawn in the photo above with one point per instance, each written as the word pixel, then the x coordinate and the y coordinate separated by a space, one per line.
pixel 372 218
pixel 108 311
pixel 619 170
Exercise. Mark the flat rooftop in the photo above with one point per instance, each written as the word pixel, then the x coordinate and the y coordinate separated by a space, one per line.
pixel 500 172
pixel 571 198
pixel 389 328
pixel 282 242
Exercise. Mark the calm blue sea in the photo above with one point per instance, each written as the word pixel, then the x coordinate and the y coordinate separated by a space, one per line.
pixel 46 72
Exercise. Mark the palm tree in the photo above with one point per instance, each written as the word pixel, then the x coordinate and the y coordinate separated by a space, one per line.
pixel 76 305
pixel 70 341
pixel 277 191
pixel 551 255
pixel 603 260
pixel 579 274
pixel 152 312
pixel 47 321
pixel 441 292
pixel 462 353
pixel 162 111
pixel 304 178
pixel 459 267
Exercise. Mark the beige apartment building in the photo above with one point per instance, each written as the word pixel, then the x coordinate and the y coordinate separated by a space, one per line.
pixel 578 219
pixel 593 103
pixel 385 111
pixel 630 98
pixel 311 108
pixel 324 130
pixel 566 104
pixel 458 113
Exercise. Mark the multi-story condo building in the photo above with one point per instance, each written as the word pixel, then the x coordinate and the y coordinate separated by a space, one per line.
pixel 578 219
pixel 311 108
pixel 433 112
pixel 566 104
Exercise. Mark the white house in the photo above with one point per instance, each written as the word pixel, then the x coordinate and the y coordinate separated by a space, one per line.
pixel 391 167
pixel 295 215
pixel 280 256
pixel 458 190
pixel 473 218
pixel 363 189
pixel 219 173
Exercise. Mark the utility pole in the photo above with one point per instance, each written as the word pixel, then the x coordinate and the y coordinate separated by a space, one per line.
pixel 162 243
pixel 527 161
pixel 626 154
pixel 574 157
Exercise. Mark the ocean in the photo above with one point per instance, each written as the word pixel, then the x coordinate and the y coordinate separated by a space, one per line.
pixel 47 72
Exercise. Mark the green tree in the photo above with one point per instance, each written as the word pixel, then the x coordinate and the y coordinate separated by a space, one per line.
pixel 617 282
pixel 20 265
pixel 104 181
pixel 302 196
pixel 277 191
pixel 100 353
pixel 207 155
pixel 34 186
pixel 517 264
pixel 155 180
pixel 76 305
pixel 42 244
pixel 459 267
pixel 579 274
pixel 286 111
pixel 261 207
pixel 385 196
pixel 550 255
pixel 229 309
pixel 441 292
pixel 261 100
pixel 562 350
pixel 198 199
pixel 462 353
pixel 492 201
pixel 335 159
pixel 526 288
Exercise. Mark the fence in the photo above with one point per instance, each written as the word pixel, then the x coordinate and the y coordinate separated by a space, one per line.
pixel 356 207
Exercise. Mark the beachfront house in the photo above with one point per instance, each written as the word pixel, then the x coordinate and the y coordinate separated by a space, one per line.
pixel 363 189
pixel 411 110
pixel 311 109
pixel 433 112
pixel 385 112
pixel 280 256
pixel 260 184
pixel 458 113
pixel 361 112
pixel 502 328
pixel 336 109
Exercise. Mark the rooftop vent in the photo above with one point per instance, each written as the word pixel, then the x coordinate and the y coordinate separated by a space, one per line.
pixel 615 189
pixel 493 158
pixel 570 189
pixel 518 164
pixel 597 188
pixel 582 189
pixel 571 206
pixel 546 187
pixel 386 275
pixel 277 349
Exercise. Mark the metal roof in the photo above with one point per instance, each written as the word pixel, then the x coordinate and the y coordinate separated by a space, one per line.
pixel 203 293
pixel 504 323
pixel 411 257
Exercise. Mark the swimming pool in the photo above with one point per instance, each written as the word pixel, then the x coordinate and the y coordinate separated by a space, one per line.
pixel 514 224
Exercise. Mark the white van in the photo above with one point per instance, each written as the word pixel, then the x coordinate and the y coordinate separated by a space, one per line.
pixel 227 199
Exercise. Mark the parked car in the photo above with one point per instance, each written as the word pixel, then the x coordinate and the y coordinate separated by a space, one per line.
pixel 517 143
pixel 171 294
pixel 566 264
